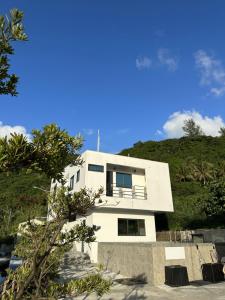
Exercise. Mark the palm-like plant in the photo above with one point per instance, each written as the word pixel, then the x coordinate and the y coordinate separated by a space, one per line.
pixel 184 173
pixel 203 172
pixel 220 172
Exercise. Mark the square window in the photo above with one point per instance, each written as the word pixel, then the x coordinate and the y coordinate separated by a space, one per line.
pixel 131 227
pixel 123 180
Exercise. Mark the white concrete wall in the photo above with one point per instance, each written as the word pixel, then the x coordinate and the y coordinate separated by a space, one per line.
pixel 138 179
pixel 157 181
pixel 108 232
pixel 108 222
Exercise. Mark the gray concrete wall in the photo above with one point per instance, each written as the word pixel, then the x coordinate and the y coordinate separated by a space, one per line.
pixel 220 249
pixel 147 261
pixel 212 235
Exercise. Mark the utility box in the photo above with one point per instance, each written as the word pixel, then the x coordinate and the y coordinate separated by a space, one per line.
pixel 212 272
pixel 176 275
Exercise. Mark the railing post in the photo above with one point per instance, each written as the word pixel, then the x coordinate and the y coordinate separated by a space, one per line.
pixel 120 193
pixel 133 192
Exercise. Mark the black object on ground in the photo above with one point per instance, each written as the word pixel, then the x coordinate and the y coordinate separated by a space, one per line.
pixel 176 275
pixel 212 272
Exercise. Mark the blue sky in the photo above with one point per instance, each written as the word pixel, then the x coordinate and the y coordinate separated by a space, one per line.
pixel 133 69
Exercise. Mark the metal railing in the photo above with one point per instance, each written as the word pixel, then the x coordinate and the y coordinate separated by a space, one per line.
pixel 136 192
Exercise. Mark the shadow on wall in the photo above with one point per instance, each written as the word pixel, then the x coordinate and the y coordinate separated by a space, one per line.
pixel 134 294
pixel 139 279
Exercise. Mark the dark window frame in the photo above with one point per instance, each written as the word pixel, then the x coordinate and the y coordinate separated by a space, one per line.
pixel 126 231
pixel 71 182
pixel 96 168
pixel 124 184
pixel 78 176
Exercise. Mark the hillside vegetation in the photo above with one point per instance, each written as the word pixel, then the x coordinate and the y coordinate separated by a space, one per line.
pixel 19 200
pixel 187 194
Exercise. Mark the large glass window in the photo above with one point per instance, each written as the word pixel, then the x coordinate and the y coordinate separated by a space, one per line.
pixel 95 168
pixel 123 180
pixel 131 227
pixel 71 182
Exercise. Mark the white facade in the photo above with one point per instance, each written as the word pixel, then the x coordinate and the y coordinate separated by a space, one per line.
pixel 134 189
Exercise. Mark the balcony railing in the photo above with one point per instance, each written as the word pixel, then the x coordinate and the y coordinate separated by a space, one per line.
pixel 136 192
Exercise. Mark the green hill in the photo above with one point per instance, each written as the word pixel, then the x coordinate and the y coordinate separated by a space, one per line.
pixel 186 195
pixel 19 200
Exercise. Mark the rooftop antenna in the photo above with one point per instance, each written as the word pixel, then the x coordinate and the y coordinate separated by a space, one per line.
pixel 98 141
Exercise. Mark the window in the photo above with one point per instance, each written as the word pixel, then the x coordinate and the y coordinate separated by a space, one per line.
pixel 72 182
pixel 95 168
pixel 131 227
pixel 123 180
pixel 78 176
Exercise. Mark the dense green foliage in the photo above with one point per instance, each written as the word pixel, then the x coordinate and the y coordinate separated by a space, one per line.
pixel 19 200
pixel 215 204
pixel 188 195
pixel 25 164
pixel 11 30
pixel 49 151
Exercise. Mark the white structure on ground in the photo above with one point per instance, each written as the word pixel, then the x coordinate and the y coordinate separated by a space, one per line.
pixel 134 189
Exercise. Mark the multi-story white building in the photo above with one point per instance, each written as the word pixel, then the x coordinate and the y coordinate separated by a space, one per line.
pixel 134 190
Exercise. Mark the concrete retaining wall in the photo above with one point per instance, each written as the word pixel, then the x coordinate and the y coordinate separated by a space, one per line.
pixel 147 261
pixel 212 235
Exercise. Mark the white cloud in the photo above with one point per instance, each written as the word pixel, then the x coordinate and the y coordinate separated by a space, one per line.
pixel 158 132
pixel 210 126
pixel 143 62
pixel 88 131
pixel 165 58
pixel 212 72
pixel 6 130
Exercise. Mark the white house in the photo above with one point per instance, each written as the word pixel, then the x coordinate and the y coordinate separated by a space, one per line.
pixel 134 189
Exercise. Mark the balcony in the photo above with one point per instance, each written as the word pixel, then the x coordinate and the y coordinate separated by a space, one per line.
pixel 136 192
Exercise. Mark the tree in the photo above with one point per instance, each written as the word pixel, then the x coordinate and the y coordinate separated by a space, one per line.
pixel 19 201
pixel 220 171
pixel 42 244
pixel 49 151
pixel 214 204
pixel 203 172
pixel 222 131
pixel 184 173
pixel 191 129
pixel 11 29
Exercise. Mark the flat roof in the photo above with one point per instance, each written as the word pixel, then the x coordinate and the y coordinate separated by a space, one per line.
pixel 122 156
